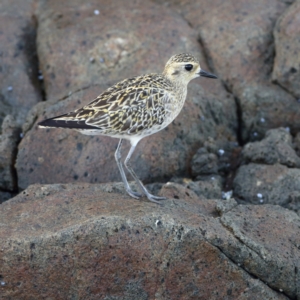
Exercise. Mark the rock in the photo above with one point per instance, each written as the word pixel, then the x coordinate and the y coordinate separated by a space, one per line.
pixel 209 189
pixel 5 196
pixel 9 140
pixel 60 156
pixel 19 85
pixel 204 163
pixel 215 157
pixel 263 107
pixel 276 147
pixel 94 242
pixel 225 206
pixel 238 40
pixel 214 167
pixel 286 69
pixel 205 187
pixel 269 238
pixel 294 202
pixel 296 143
pixel 272 184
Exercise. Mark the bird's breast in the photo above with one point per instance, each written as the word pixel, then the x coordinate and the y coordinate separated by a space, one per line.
pixel 174 104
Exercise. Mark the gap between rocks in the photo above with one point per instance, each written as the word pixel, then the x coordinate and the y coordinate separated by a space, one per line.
pixel 30 51
pixel 28 44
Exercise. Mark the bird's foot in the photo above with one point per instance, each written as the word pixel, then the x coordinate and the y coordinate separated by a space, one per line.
pixel 134 194
pixel 150 197
pixel 155 199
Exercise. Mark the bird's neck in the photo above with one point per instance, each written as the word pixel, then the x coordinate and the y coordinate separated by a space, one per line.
pixel 176 83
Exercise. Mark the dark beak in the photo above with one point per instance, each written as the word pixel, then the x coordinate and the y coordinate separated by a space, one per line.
pixel 206 74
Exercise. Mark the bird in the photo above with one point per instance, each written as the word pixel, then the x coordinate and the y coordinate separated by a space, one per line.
pixel 135 108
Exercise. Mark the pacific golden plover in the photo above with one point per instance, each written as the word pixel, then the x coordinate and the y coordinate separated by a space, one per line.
pixel 135 108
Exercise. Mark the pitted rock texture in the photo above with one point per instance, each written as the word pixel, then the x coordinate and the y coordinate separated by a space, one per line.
pixel 8 150
pixel 287 42
pixel 270 171
pixel 276 147
pixel 297 143
pixel 273 184
pixel 95 242
pixel 204 163
pixel 19 85
pixel 205 187
pixel 61 156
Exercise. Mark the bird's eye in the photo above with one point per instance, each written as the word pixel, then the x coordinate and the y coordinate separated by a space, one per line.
pixel 188 67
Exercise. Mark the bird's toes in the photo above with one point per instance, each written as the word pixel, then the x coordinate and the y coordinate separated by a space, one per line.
pixel 155 199
pixel 134 194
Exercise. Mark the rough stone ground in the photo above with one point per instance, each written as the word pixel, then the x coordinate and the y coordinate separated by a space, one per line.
pixel 91 241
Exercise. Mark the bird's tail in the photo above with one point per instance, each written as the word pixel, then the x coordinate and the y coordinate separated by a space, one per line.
pixel 64 121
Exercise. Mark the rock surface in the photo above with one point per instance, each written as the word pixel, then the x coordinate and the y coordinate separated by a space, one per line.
pixel 204 163
pixel 205 187
pixel 297 143
pixel 19 86
pixel 57 155
pixel 271 173
pixel 287 60
pixel 95 242
pixel 238 40
pixel 276 147
pixel 8 150
pixel 5 196
pixel 273 184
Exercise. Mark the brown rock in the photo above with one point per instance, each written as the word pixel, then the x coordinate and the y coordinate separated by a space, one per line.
pixel 9 140
pixel 52 156
pixel 214 167
pixel 208 187
pixel 89 242
pixel 19 86
pixel 296 143
pixel 286 69
pixel 204 163
pixel 270 239
pixel 238 39
pixel 265 106
pixel 273 184
pixel 276 147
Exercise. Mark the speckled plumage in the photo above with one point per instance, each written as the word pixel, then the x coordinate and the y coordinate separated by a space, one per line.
pixel 135 108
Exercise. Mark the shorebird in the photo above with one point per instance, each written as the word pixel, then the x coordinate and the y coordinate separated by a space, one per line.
pixel 135 108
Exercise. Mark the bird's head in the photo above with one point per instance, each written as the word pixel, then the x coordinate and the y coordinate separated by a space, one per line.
pixel 183 68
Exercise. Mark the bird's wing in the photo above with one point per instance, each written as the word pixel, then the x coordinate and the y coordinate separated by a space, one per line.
pixel 128 106
pixel 127 111
pixel 118 111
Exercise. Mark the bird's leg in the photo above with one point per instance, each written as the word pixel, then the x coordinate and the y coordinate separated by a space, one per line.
pixel 119 163
pixel 139 183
